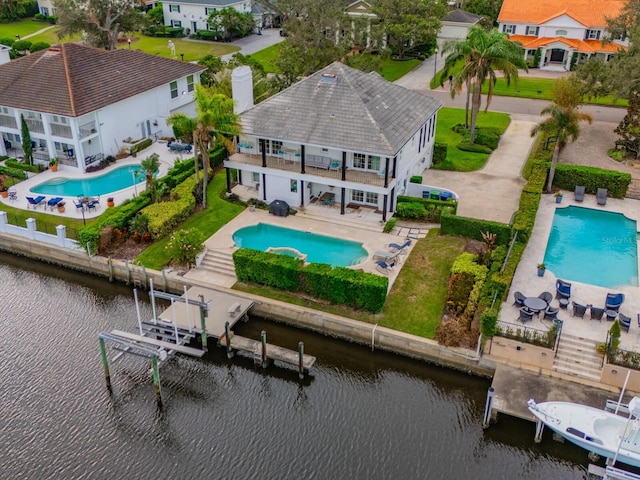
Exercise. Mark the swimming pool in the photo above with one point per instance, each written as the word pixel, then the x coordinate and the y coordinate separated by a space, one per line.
pixel 117 179
pixel 318 248
pixel 594 247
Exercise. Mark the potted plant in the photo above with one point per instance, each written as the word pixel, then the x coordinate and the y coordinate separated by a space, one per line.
pixel 110 202
pixel 558 197
pixel 53 164
pixel 541 269
pixel 4 191
pixel 60 207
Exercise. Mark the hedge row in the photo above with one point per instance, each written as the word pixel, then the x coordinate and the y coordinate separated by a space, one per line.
pixel 16 173
pixel 164 216
pixel 439 152
pixel 529 201
pixel 451 203
pixel 466 264
pixel 568 176
pixel 338 285
pixel 12 162
pixel 140 146
pixel 451 224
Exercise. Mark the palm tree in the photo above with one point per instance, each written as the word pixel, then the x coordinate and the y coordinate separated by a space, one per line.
pixel 564 122
pixel 483 53
pixel 187 125
pixel 215 121
pixel 150 166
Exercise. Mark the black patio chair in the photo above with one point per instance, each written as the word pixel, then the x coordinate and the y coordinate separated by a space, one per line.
pixel 563 289
pixel 519 299
pixel 526 315
pixel 551 313
pixel 546 296
pixel 596 313
pixel 625 322
pixel 579 310
pixel 578 193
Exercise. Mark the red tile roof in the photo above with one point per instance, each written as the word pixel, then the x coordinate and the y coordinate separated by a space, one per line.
pixel 582 46
pixel 591 13
pixel 73 79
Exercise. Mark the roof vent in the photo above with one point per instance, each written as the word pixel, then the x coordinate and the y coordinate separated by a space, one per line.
pixel 331 78
pixel 54 48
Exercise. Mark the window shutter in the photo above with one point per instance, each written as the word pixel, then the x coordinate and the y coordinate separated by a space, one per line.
pixel 537 31
pixel 504 28
pixel 598 35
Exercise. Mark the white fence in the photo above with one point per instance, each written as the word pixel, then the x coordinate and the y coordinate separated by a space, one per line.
pixel 59 239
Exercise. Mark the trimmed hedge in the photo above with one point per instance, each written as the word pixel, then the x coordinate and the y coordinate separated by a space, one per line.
pixel 13 163
pixel 361 290
pixel 451 224
pixel 416 179
pixel 140 146
pixel 16 173
pixel 164 216
pixel 451 204
pixel 473 147
pixel 529 201
pixel 568 176
pixel 439 152
pixel 464 266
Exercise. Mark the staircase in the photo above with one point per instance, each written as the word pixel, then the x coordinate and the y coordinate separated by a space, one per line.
pixel 634 189
pixel 578 357
pixel 218 262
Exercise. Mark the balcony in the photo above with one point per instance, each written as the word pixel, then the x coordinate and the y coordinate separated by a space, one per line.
pixel 8 121
pixel 354 176
pixel 35 126
pixel 63 131
pixel 88 129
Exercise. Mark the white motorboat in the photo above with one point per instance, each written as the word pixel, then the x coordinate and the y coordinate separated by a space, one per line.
pixel 599 431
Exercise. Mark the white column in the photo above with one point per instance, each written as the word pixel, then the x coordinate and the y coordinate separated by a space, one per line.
pixel 47 133
pixel 31 228
pixel 61 231
pixel 3 222
pixel 567 65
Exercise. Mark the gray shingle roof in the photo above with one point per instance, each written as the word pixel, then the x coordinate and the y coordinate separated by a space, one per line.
pixel 460 16
pixel 361 112
pixel 74 79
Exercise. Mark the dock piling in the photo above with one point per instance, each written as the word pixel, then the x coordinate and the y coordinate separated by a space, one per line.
pixel 227 337
pixel 539 430
pixel 156 378
pixel 203 324
pixel 301 360
pixel 105 364
pixel 110 263
pixel 263 337
pixel 487 409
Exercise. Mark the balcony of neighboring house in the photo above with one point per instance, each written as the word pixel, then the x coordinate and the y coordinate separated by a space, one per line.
pixel 35 125
pixel 88 129
pixel 59 130
pixel 8 121
pixel 332 171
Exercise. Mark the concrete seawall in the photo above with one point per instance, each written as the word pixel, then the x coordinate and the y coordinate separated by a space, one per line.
pixel 324 323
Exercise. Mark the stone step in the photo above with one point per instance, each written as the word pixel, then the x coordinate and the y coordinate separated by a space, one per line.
pixel 583 360
pixel 350 220
pixel 219 262
pixel 577 356
pixel 634 190
pixel 576 372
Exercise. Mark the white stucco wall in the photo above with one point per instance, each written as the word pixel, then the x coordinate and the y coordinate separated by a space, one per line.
pixel 197 12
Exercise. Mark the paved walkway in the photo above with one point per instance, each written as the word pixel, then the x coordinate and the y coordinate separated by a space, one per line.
pixel 42 30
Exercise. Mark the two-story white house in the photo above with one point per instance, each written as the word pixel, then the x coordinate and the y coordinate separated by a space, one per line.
pixel 80 103
pixel 46 7
pixel 193 14
pixel 339 135
pixel 566 31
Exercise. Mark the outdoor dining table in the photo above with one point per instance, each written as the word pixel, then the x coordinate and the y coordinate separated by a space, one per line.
pixel 534 303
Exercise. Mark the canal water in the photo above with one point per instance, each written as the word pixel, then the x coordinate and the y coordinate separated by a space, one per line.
pixel 361 415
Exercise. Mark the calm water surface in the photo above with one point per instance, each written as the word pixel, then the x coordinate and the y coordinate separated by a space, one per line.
pixel 362 415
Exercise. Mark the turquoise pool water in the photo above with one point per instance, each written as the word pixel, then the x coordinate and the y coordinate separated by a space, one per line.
pixel 594 247
pixel 318 248
pixel 117 179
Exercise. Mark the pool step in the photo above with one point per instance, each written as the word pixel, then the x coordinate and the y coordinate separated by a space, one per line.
pixel 578 357
pixel 219 262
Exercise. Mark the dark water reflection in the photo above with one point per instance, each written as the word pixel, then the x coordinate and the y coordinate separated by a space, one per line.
pixel 361 415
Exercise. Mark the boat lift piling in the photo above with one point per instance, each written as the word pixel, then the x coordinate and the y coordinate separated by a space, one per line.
pixel 539 430
pixel 487 409
pixel 301 360
pixel 263 338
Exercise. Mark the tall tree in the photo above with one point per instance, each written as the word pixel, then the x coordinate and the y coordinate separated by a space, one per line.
pixel 215 121
pixel 490 9
pixel 100 20
pixel 629 128
pixel 27 148
pixel 230 23
pixel 484 54
pixel 410 22
pixel 563 120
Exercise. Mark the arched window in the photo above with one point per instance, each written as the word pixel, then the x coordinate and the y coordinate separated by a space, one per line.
pixel 561 33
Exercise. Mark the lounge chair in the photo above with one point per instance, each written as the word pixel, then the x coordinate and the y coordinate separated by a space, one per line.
pixel 625 322
pixel 551 313
pixel 53 202
pixel 34 202
pixel 578 193
pixel 601 196
pixel 563 289
pixel 596 313
pixel 526 315
pixel 614 301
pixel 383 268
pixel 519 299
pixel 579 310
pixel 546 296
pixel 400 248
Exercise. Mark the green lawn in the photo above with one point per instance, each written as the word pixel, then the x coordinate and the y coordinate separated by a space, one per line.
pixel 51 37
pixel 22 28
pixel 395 69
pixel 416 301
pixel 209 221
pixel 457 159
pixel 266 57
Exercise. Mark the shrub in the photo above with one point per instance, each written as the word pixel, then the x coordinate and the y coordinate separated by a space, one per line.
pixel 568 176
pixel 468 291
pixel 16 173
pixel 184 246
pixel 21 46
pixel 411 211
pixel 439 153
pixel 489 322
pixel 472 228
pixel 449 204
pixel 390 225
pixel 164 216
pixel 13 163
pixel 473 147
pixel 7 42
pixel 36 47
pixel 416 179
pixel 139 224
pixel 278 271
pixel 140 146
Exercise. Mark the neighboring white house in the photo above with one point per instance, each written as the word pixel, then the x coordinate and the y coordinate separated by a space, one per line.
pixel 566 31
pixel 46 7
pixel 456 24
pixel 338 135
pixel 193 14
pixel 80 103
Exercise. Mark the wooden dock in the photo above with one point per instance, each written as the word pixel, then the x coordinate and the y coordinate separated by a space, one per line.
pixel 168 346
pixel 273 352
